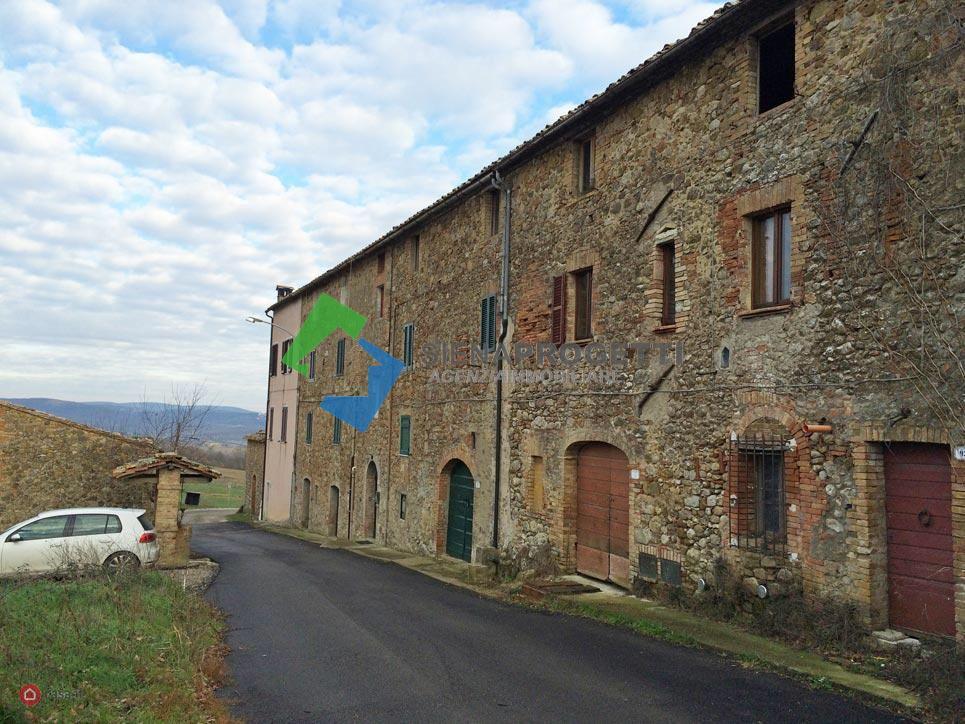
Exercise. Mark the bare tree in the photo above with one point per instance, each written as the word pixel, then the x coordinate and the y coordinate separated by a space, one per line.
pixel 178 419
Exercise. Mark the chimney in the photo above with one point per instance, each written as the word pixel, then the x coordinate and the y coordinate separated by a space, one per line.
pixel 283 291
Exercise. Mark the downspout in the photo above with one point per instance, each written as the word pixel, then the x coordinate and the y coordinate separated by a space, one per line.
pixel 500 185
pixel 388 457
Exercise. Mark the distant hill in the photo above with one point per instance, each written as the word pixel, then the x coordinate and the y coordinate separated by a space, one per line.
pixel 225 425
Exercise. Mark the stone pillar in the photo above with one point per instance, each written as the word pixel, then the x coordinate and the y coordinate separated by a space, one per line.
pixel 172 538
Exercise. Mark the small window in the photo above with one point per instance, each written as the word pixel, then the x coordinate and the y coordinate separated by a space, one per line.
pixel 284 424
pixel 53 527
pixel 405 435
pixel 558 310
pixel 402 506
pixel 494 211
pixel 582 328
pixel 775 68
pixel 380 300
pixel 271 423
pixel 273 361
pixel 585 161
pixel 336 431
pixel 414 252
pixel 309 425
pixel 285 346
pixel 668 314
pixel 472 440
pixel 340 357
pixel 408 336
pixel 771 259
pixel 311 365
pixel 487 324
pixel 381 262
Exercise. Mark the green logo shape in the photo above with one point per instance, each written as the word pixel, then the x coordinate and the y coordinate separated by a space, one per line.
pixel 326 316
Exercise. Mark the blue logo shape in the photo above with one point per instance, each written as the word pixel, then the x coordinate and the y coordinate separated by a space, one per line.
pixel 359 411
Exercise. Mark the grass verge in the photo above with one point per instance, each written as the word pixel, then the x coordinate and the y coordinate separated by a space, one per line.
pixel 228 491
pixel 126 648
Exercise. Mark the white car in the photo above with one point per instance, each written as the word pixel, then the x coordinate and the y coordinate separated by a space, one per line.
pixel 115 538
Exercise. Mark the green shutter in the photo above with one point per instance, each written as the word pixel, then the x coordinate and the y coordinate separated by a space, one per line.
pixel 309 421
pixel 405 435
pixel 336 431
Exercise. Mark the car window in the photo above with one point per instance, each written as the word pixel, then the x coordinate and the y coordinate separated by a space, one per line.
pixel 145 520
pixel 96 524
pixel 52 527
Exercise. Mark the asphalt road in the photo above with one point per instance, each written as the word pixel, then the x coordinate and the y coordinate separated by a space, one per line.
pixel 327 635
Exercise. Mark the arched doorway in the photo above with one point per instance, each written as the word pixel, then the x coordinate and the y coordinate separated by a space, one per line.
pixel 459 521
pixel 371 499
pixel 333 511
pixel 603 513
pixel 306 502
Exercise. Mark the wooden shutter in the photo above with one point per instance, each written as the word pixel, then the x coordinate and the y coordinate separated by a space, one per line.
pixel 284 424
pixel 273 361
pixel 309 421
pixel 487 323
pixel 559 310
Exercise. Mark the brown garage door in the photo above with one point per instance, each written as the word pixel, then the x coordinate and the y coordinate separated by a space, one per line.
pixel 603 513
pixel 921 582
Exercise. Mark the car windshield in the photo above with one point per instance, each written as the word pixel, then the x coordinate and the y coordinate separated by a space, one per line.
pixel 145 520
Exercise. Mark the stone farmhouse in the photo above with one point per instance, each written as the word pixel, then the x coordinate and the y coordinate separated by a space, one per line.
pixel 724 296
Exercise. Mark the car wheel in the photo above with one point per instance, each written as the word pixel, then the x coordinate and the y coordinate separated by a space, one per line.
pixel 121 562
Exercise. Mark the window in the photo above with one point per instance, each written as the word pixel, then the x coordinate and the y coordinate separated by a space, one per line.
pixel 381 262
pixel 408 335
pixel 494 211
pixel 585 153
pixel 380 300
pixel 311 365
pixel 771 259
pixel 340 357
pixel 273 361
pixel 284 424
pixel 285 346
pixel 405 435
pixel 558 307
pixel 668 315
pixel 145 520
pixel 271 423
pixel 401 506
pixel 472 440
pixel 96 524
pixel 756 479
pixel 414 252
pixel 53 527
pixel 336 431
pixel 582 328
pixel 775 68
pixel 309 425
pixel 487 324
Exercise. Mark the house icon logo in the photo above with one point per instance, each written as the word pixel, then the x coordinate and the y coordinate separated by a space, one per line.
pixel 328 315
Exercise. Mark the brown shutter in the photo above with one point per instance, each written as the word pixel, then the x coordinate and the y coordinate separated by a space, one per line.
pixel 559 309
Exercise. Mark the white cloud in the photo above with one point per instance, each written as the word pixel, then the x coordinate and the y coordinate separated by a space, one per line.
pixel 164 165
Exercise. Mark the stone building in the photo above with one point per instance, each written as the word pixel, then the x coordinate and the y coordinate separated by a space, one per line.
pixel 727 290
pixel 254 474
pixel 47 462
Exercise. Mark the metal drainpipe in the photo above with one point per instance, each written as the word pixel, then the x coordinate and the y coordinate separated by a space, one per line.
pixel 388 458
pixel 500 185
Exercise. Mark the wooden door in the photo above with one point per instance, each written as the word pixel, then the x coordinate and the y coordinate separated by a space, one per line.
pixel 459 526
pixel 921 566
pixel 603 513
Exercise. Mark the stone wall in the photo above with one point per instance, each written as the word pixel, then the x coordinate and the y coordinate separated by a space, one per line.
pixel 47 462
pixel 254 473
pixel 690 160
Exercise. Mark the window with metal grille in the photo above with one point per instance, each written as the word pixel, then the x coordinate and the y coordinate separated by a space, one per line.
pixel 336 431
pixel 408 335
pixel 756 496
pixel 405 435
pixel 340 358
pixel 487 324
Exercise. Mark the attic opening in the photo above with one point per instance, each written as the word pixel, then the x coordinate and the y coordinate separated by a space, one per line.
pixel 775 67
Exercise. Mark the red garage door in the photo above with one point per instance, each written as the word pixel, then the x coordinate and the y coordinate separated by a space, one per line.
pixel 603 513
pixel 921 581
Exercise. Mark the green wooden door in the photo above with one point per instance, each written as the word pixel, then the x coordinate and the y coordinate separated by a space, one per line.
pixel 459 530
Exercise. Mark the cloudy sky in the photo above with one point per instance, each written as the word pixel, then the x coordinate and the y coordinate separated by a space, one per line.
pixel 164 163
